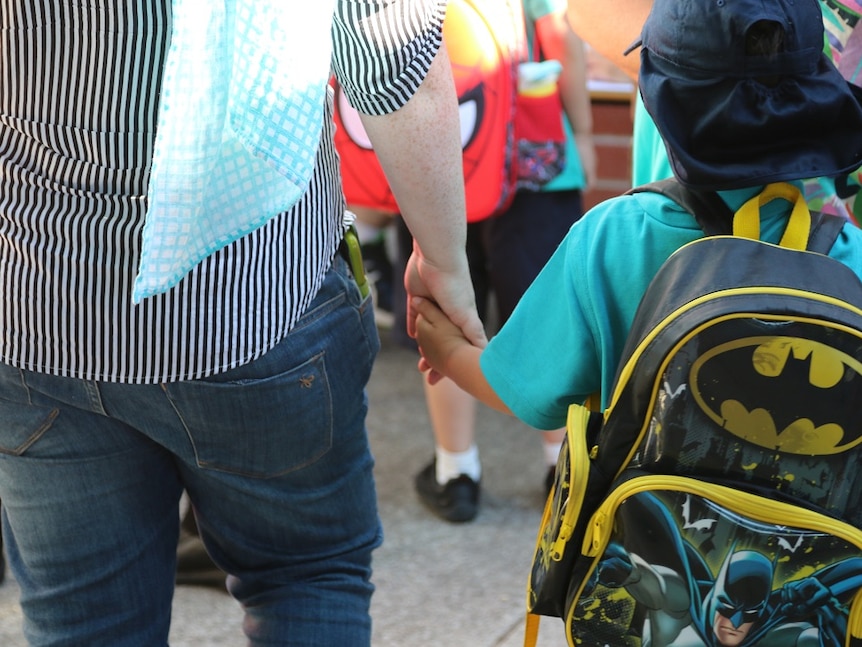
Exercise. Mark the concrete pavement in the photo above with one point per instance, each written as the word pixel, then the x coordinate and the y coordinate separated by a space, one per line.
pixel 438 584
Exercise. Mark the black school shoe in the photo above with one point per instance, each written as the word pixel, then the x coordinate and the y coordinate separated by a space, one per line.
pixel 456 501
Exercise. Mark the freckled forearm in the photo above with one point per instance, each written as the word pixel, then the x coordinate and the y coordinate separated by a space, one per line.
pixel 420 151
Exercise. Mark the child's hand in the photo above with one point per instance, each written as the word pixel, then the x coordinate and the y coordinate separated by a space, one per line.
pixel 438 338
pixel 447 352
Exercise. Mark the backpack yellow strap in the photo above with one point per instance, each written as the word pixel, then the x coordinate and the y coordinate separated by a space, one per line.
pixel 746 222
pixel 531 630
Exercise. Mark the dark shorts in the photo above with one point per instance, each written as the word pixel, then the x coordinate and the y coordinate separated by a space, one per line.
pixel 505 253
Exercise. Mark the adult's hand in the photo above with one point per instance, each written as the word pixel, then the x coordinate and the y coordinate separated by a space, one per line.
pixel 443 286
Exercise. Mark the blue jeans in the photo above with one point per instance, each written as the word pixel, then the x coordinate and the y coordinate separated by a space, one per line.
pixel 274 456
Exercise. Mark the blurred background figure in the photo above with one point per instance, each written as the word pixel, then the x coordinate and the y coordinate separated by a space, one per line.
pixel 506 250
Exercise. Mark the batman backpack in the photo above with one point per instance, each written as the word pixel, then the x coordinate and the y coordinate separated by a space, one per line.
pixel 718 499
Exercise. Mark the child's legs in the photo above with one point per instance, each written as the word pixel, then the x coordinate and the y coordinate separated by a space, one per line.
pixel 452 412
pixel 519 244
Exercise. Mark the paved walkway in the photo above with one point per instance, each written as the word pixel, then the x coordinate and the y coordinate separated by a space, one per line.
pixel 438 584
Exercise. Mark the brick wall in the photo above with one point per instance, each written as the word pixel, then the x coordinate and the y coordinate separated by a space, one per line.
pixel 612 135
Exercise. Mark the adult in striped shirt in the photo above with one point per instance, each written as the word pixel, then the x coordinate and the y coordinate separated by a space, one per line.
pixel 243 384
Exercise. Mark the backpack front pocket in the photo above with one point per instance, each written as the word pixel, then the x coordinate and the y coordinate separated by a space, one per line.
pixel 671 560
pixel 557 544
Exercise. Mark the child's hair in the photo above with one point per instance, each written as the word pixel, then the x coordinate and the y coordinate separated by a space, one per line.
pixel 765 38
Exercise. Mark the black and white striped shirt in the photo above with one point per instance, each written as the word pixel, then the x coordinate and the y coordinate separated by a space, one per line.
pixel 78 101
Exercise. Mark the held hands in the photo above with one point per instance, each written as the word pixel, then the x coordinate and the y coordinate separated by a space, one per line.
pixel 447 351
pixel 452 291
pixel 439 339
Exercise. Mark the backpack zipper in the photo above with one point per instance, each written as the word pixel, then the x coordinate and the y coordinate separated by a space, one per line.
pixel 758 508
pixel 600 527
pixel 579 469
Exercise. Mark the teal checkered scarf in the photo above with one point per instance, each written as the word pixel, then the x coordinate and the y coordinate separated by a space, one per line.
pixel 239 124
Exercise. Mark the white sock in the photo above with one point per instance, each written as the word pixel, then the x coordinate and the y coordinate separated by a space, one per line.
pixel 451 465
pixel 552 451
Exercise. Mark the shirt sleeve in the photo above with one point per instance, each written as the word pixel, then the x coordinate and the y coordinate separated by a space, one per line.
pixel 546 357
pixel 565 339
pixel 382 49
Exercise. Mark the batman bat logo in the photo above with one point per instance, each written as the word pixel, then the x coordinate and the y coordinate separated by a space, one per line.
pixel 789 394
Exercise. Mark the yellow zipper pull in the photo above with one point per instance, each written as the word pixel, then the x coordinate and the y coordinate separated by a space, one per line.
pixel 562 538
pixel 595 540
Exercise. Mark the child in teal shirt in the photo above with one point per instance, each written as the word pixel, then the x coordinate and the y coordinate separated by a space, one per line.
pixel 733 122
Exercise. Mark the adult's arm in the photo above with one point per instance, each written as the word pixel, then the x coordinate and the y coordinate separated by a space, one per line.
pixel 390 61
pixel 610 26
pixel 419 148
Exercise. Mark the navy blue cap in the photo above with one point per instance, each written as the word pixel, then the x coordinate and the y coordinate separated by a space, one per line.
pixel 723 127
